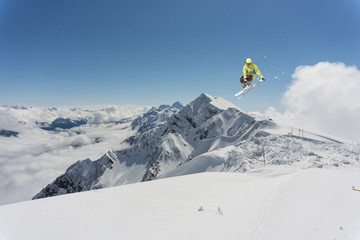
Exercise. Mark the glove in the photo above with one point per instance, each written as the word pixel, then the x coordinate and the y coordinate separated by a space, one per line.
pixel 263 79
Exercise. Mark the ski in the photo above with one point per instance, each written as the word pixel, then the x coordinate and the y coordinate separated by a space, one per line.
pixel 247 89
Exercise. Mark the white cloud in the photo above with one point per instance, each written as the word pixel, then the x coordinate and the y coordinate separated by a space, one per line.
pixel 323 98
pixel 36 157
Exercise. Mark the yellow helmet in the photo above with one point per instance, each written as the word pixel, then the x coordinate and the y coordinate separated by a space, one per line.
pixel 248 60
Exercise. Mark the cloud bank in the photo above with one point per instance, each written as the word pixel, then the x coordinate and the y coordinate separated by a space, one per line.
pixel 36 157
pixel 323 98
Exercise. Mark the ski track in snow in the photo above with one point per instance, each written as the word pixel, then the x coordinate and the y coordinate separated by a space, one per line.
pixel 264 209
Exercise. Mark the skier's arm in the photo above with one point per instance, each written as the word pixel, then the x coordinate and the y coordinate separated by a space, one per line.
pixel 257 71
pixel 244 71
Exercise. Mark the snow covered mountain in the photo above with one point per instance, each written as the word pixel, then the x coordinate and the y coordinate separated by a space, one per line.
pixel 209 134
pixel 155 116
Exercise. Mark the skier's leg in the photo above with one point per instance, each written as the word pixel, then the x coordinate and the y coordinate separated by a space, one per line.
pixel 250 78
pixel 242 82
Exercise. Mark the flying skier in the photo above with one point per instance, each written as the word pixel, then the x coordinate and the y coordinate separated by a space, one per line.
pixel 250 71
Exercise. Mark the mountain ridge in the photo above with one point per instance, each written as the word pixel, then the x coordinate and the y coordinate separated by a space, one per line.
pixel 208 134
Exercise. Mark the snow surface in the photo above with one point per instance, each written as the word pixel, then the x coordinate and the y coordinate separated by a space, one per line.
pixel 273 202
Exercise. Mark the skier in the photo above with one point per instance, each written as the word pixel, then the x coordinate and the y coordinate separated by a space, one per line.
pixel 250 71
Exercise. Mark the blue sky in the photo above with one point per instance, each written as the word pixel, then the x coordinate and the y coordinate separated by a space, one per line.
pixel 90 52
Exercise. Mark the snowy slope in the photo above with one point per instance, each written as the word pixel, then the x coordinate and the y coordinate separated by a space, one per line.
pixel 209 134
pixel 273 202
pixel 241 156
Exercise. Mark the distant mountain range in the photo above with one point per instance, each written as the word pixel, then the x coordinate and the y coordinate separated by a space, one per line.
pixel 8 133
